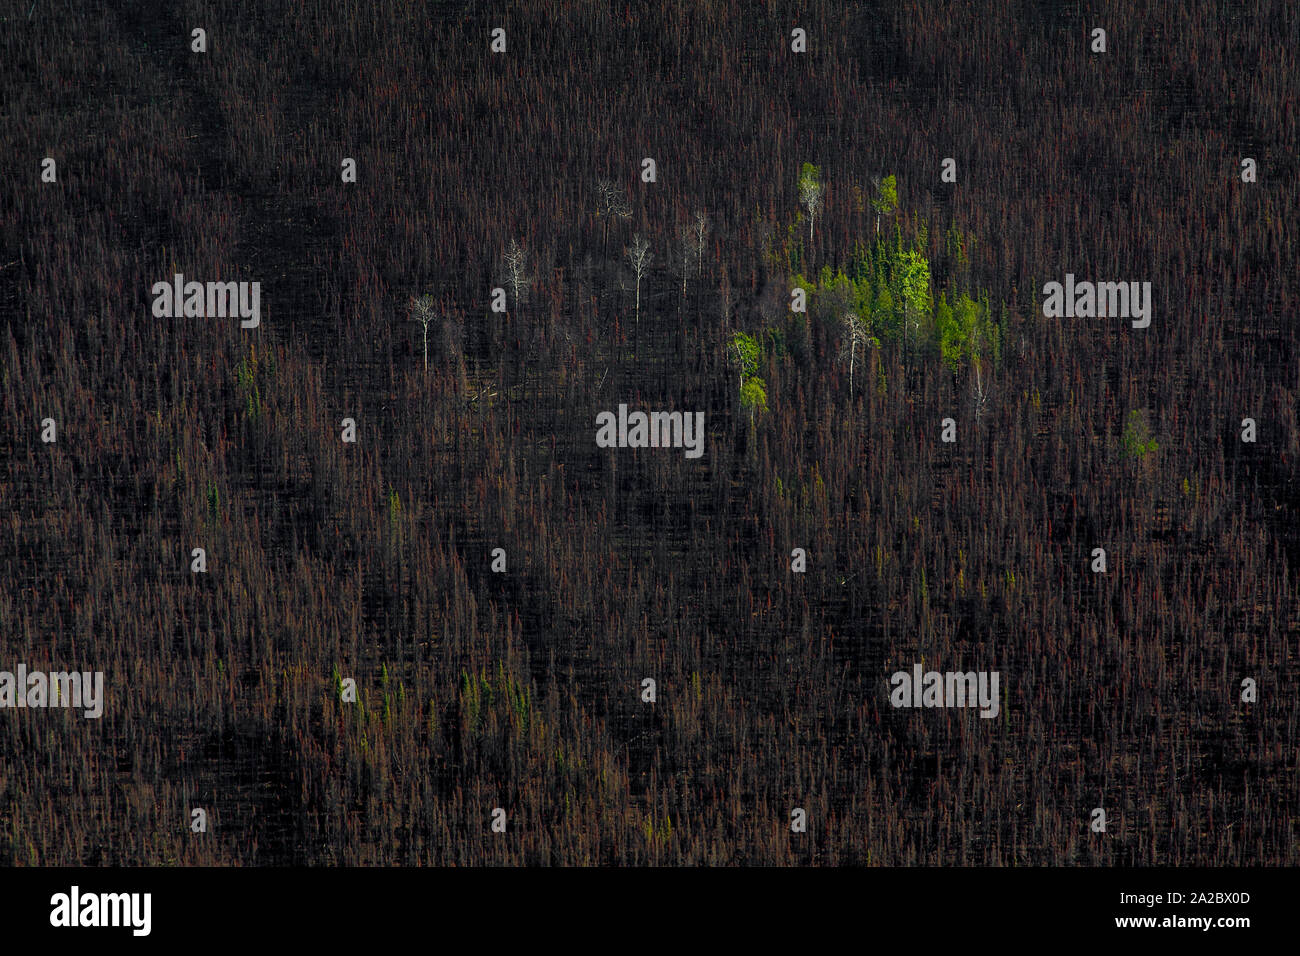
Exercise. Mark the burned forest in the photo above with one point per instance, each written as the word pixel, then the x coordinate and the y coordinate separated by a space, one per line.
pixel 709 433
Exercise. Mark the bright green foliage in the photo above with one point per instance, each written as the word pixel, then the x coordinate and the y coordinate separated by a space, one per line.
pixel 889 285
pixel 883 290
pixel 743 354
pixel 914 281
pixel 745 351
pixel 1137 441
pixel 886 198
pixel 969 318
pixel 809 182
pixel 912 278
pixel 885 202
pixel 974 334
pixel 753 396
pixel 961 330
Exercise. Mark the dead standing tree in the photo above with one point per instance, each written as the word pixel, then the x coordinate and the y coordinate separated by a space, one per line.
pixel 610 203
pixel 855 337
pixel 516 265
pixel 811 192
pixel 699 227
pixel 638 257
pixel 690 251
pixel 422 310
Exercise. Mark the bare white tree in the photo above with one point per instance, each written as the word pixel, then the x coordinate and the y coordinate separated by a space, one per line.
pixel 686 255
pixel 699 226
pixel 638 257
pixel 611 203
pixel 855 336
pixel 516 259
pixel 979 389
pixel 422 310
pixel 979 392
pixel 810 194
pixel 690 254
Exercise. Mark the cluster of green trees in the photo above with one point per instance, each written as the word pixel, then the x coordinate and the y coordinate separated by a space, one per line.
pixel 889 289
pixel 886 295
pixel 743 352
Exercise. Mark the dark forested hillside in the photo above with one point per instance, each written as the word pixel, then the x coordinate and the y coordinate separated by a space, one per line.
pixel 465 260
